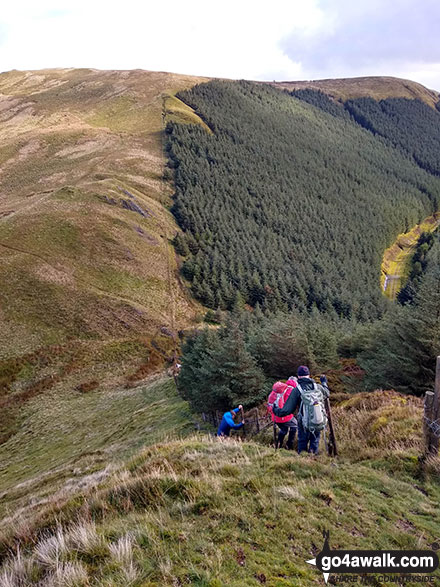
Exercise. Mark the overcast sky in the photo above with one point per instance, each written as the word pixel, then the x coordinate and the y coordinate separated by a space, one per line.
pixel 274 39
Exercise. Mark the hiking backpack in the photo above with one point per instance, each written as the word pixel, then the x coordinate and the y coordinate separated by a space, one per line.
pixel 312 410
pixel 279 399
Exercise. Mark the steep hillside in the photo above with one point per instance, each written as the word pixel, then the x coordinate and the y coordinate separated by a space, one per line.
pixel 70 442
pixel 292 203
pixel 378 88
pixel 210 513
pixel 396 259
pixel 87 271
pixel 89 281
pixel 286 205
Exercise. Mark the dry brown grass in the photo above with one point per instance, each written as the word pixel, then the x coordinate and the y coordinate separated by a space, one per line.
pixel 217 511
pixel 88 386
pixel 380 423
pixel 73 267
pixel 379 88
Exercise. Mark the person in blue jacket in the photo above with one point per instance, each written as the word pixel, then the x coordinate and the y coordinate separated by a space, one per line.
pixel 228 422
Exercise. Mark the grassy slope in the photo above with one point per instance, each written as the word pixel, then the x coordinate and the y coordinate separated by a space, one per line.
pixel 209 513
pixel 98 133
pixel 378 88
pixel 79 274
pixel 72 441
pixel 82 277
pixel 396 258
pixel 83 292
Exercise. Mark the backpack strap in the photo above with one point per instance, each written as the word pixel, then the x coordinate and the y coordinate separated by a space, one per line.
pixel 287 389
pixel 281 395
pixel 301 406
pixel 316 388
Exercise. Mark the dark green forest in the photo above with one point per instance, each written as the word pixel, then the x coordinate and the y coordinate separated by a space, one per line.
pixel 400 350
pixel 286 210
pixel 410 125
pixel 238 362
pixel 286 205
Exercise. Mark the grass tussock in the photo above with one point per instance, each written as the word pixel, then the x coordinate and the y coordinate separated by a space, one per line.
pixel 205 512
pixel 381 423
pixel 74 448
pixel 64 558
pixel 202 511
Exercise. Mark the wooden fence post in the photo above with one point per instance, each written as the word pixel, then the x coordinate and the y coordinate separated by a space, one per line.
pixel 431 416
pixel 427 419
pixel 436 411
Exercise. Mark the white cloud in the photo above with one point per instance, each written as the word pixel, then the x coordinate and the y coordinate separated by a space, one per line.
pixel 371 37
pixel 280 39
pixel 228 39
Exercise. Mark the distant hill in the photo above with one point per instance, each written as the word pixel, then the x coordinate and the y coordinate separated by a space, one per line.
pixel 89 283
pixel 102 480
pixel 90 289
pixel 378 88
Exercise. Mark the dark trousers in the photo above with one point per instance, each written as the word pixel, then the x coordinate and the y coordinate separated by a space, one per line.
pixel 287 427
pixel 307 441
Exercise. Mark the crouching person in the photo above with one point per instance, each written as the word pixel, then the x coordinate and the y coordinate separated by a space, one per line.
pixel 309 397
pixel 286 424
pixel 228 422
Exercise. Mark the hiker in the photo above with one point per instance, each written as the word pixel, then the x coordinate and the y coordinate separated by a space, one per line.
pixel 228 422
pixel 309 397
pixel 285 424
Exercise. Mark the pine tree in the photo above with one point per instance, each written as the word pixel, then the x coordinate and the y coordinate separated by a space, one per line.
pixel 322 339
pixel 218 372
pixel 403 347
pixel 180 245
pixel 281 345
pixel 239 379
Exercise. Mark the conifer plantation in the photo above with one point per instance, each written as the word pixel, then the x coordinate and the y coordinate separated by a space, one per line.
pixel 289 201
pixel 287 206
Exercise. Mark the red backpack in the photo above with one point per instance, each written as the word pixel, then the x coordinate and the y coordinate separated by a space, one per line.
pixel 280 391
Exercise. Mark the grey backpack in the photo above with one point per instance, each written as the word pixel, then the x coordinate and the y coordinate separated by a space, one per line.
pixel 314 417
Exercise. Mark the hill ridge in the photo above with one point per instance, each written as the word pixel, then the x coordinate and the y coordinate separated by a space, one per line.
pixel 378 87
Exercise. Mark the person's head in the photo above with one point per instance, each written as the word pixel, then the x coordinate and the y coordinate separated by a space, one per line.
pixel 303 371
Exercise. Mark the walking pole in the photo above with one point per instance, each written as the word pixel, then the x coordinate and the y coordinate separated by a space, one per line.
pixel 332 448
pixel 275 436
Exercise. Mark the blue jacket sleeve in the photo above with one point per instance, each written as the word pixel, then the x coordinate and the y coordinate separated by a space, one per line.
pixel 237 426
pixel 230 420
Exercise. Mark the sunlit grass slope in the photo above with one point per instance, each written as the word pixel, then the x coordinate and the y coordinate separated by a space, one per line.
pixel 396 258
pixel 69 442
pixel 87 268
